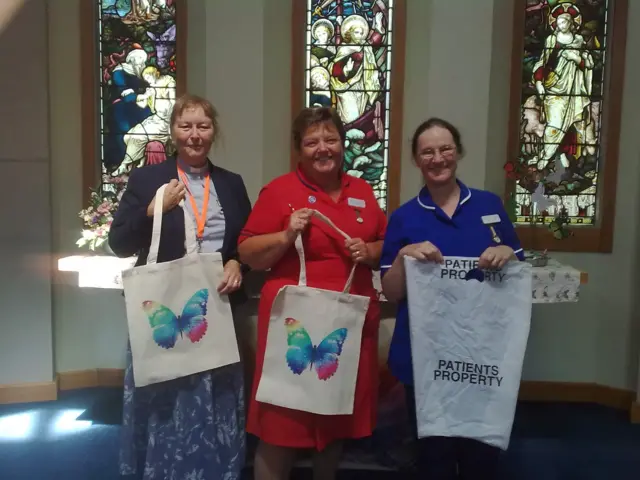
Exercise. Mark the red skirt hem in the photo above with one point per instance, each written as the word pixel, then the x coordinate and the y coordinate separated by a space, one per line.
pixel 302 443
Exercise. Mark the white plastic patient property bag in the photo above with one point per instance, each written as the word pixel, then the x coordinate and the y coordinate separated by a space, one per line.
pixel 469 331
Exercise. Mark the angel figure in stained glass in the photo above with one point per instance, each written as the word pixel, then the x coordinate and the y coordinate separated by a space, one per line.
pixel 159 98
pixel 322 52
pixel 355 76
pixel 563 77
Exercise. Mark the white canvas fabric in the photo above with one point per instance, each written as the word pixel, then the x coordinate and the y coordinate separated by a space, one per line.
pixel 313 345
pixel 468 340
pixel 178 322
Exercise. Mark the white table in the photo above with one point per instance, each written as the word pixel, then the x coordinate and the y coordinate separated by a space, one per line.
pixel 95 271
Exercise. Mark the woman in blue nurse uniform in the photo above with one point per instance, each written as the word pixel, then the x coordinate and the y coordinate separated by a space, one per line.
pixel 447 218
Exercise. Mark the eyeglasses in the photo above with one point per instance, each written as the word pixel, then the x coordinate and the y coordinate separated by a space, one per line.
pixel 446 152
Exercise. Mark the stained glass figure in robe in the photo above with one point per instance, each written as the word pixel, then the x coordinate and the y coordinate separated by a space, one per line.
pixel 348 60
pixel 137 45
pixel 562 93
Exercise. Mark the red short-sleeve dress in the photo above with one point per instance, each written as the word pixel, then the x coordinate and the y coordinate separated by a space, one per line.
pixel 328 266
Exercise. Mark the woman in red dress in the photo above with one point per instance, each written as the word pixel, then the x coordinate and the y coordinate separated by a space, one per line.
pixel 282 211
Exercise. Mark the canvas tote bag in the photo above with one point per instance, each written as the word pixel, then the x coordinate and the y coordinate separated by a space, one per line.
pixel 313 345
pixel 469 332
pixel 178 322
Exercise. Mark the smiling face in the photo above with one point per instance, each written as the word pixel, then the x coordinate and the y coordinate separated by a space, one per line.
pixel 437 156
pixel 192 132
pixel 321 150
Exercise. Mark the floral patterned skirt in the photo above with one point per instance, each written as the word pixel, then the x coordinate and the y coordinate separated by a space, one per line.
pixel 192 428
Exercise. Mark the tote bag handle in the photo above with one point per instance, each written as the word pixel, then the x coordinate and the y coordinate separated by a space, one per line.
pixel 190 244
pixel 302 281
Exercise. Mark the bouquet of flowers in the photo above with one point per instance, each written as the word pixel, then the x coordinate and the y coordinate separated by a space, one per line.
pixel 97 217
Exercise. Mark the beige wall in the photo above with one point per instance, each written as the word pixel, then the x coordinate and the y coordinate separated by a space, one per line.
pixel 239 55
pixel 25 236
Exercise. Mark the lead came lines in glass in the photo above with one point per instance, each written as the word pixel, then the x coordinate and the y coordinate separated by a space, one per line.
pixel 348 59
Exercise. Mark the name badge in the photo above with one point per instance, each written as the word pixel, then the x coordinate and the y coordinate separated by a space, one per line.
pixel 355 202
pixel 491 219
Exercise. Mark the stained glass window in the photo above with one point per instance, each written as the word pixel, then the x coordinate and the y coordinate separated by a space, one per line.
pixel 137 52
pixel 563 76
pixel 348 67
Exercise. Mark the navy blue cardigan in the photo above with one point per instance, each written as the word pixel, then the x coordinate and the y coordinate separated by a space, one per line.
pixel 130 232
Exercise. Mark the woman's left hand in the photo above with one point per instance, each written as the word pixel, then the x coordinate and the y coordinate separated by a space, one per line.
pixel 232 278
pixel 359 250
pixel 495 257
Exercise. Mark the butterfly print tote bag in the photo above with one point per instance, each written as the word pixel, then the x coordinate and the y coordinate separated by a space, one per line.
pixel 313 345
pixel 469 331
pixel 178 322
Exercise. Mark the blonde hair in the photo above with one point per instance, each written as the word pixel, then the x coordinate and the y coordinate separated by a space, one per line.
pixel 188 102
pixel 151 70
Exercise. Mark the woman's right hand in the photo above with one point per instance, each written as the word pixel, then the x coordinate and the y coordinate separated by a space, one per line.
pixel 298 222
pixel 174 193
pixel 424 251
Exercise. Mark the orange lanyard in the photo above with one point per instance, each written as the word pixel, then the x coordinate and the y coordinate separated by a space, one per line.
pixel 201 217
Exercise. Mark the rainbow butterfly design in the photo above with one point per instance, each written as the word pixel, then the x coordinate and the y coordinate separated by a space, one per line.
pixel 167 325
pixel 302 353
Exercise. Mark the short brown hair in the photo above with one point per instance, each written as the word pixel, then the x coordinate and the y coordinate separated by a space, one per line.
pixel 440 123
pixel 309 117
pixel 189 101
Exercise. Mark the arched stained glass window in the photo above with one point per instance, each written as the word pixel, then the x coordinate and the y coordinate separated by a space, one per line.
pixel 566 136
pixel 348 64
pixel 136 52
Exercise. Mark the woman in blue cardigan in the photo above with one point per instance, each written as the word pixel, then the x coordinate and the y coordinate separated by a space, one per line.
pixel 191 427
